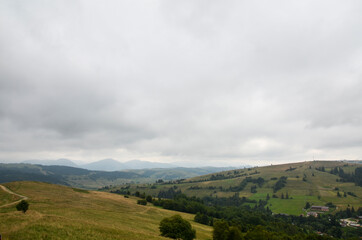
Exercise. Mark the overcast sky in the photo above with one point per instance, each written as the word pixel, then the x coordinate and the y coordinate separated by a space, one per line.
pixel 206 82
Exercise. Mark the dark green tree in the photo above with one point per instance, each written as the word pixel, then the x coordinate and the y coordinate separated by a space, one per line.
pixel 221 230
pixel 202 218
pixel 22 206
pixel 234 234
pixel 149 198
pixel 335 231
pixel 259 233
pixel 177 228
pixel 358 176
pixel 307 205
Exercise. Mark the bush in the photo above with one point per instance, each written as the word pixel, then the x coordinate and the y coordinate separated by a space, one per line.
pixel 22 206
pixel 149 198
pixel 142 202
pixel 176 227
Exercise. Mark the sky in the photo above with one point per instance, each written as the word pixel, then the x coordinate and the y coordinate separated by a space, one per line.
pixel 202 82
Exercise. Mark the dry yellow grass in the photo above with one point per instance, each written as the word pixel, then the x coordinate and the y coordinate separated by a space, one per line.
pixel 58 212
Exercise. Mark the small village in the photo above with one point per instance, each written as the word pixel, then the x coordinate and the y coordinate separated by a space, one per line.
pixel 351 222
pixel 346 222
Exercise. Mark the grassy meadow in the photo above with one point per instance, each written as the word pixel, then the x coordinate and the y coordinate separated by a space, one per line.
pixel 59 212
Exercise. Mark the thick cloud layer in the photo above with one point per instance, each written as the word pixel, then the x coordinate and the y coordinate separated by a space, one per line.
pixel 208 82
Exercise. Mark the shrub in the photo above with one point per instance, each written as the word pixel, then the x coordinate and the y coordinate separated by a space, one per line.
pixel 149 198
pixel 142 202
pixel 22 206
pixel 176 227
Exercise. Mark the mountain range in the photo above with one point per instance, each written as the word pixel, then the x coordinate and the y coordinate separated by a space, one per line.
pixel 93 179
pixel 104 165
pixel 110 164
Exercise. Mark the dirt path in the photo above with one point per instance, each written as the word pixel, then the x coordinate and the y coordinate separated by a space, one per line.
pixel 11 192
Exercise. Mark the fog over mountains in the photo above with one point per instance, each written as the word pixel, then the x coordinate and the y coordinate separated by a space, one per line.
pixel 111 164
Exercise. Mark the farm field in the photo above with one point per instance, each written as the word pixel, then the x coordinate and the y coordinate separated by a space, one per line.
pixel 59 212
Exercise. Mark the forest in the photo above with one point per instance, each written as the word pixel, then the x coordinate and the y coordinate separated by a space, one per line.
pixel 232 215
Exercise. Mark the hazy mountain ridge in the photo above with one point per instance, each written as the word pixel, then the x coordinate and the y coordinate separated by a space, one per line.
pixel 58 162
pixel 79 177
pixel 104 165
pixel 108 164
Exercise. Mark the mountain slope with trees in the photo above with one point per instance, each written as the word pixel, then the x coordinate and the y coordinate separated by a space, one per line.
pixel 282 188
pixel 83 178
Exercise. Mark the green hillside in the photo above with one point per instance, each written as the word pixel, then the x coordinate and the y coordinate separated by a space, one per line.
pixel 82 178
pixel 59 212
pixel 287 188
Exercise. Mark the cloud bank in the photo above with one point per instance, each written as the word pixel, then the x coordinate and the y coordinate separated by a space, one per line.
pixel 212 82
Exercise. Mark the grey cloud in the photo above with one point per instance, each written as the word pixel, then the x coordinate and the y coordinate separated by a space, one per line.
pixel 189 80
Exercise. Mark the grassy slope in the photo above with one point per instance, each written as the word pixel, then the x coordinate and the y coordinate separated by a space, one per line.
pixel 318 189
pixel 58 212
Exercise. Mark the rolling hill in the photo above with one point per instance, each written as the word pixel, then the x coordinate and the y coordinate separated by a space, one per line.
pixel 59 212
pixel 82 178
pixel 286 188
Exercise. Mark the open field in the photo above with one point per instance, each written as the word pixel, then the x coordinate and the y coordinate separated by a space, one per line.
pixel 304 184
pixel 58 212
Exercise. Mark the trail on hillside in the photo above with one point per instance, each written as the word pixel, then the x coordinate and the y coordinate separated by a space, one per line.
pixel 11 192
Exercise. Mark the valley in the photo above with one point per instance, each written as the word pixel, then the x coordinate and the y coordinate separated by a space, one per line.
pixel 92 179
pixel 261 200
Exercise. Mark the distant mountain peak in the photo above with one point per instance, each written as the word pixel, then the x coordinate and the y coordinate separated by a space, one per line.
pixel 107 164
